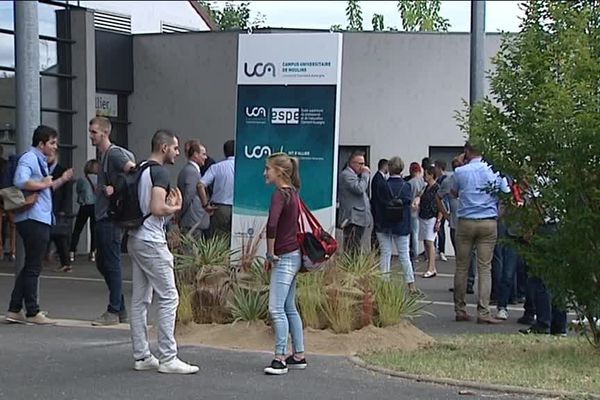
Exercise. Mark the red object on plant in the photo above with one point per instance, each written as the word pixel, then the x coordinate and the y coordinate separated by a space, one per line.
pixel 517 194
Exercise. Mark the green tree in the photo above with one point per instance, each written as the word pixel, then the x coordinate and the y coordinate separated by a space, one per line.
pixel 540 126
pixel 377 22
pixel 422 15
pixel 354 16
pixel 233 16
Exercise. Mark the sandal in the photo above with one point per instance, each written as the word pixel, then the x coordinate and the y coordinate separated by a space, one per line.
pixel 429 274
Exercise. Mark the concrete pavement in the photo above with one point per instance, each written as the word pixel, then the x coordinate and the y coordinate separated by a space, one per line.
pixel 95 363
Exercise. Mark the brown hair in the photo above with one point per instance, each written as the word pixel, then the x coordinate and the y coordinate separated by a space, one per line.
pixel 191 147
pixel 103 123
pixel 90 165
pixel 287 167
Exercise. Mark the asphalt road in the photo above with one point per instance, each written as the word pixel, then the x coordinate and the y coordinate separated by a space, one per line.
pixel 95 363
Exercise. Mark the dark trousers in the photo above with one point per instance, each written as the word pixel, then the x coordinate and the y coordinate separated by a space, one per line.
pixel 220 221
pixel 548 317
pixel 504 270
pixel 85 212
pixel 60 241
pixel 441 236
pixel 36 236
pixel 352 237
pixel 108 262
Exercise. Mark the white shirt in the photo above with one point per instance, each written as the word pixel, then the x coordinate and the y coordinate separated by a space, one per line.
pixel 221 174
pixel 196 166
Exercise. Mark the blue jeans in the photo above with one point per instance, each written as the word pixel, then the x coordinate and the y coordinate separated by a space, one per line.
pixel 505 273
pixel 548 317
pixel 402 245
pixel 108 262
pixel 282 303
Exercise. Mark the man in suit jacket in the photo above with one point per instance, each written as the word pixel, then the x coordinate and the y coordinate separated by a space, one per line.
pixel 380 178
pixel 192 216
pixel 355 208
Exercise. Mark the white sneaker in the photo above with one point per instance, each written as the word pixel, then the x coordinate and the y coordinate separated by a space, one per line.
pixel 176 366
pixel 502 314
pixel 443 257
pixel 146 364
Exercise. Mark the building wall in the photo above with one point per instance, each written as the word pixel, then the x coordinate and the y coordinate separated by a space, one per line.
pixel 187 83
pixel 403 89
pixel 400 91
pixel 146 17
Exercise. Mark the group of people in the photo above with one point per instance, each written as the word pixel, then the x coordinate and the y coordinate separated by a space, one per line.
pixel 429 198
pixel 152 261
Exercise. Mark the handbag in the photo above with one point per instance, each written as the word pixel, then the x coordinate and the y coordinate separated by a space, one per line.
pixel 63 225
pixel 317 246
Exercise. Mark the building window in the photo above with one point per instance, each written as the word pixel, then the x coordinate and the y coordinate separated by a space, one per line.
pixel 444 154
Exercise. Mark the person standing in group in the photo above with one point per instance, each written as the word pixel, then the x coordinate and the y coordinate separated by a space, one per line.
pixel 380 176
pixel 7 218
pixel 61 229
pixel 355 211
pixel 417 184
pixel 86 198
pixel 284 259
pixel 477 227
pixel 440 177
pixel 429 219
pixel 33 224
pixel 192 215
pixel 113 160
pixel 220 176
pixel 152 261
pixel 393 227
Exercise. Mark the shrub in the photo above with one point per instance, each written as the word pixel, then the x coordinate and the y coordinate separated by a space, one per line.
pixel 311 296
pixel 394 302
pixel 249 305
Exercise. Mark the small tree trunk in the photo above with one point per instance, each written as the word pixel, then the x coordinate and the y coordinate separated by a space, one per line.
pixel 367 309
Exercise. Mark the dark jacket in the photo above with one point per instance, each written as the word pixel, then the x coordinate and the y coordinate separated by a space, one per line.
pixel 396 185
pixel 377 180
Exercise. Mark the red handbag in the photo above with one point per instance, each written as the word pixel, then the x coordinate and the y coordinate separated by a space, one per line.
pixel 316 244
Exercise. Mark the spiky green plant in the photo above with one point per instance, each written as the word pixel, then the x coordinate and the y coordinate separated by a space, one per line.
pixel 341 308
pixel 358 269
pixel 311 296
pixel 394 302
pixel 185 312
pixel 249 305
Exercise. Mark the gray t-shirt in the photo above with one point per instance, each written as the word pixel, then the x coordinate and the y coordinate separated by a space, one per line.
pixel 112 163
pixel 153 228
pixel 417 184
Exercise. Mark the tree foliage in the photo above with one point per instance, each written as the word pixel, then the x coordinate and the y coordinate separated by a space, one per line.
pixel 422 15
pixel 233 16
pixel 354 16
pixel 416 15
pixel 540 126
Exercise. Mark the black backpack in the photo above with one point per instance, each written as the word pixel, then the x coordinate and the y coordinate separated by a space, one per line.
pixel 125 208
pixel 393 210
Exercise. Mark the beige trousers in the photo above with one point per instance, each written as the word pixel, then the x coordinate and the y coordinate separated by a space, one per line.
pixel 481 234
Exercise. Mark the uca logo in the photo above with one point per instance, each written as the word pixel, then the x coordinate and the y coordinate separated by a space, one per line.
pixel 260 151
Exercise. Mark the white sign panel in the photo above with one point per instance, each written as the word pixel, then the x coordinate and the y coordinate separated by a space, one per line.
pixel 281 59
pixel 106 105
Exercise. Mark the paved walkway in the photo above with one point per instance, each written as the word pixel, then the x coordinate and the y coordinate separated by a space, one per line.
pixel 94 363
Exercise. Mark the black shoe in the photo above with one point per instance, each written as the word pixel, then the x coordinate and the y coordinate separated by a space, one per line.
pixel 292 363
pixel 277 367
pixel 534 330
pixel 470 290
pixel 526 320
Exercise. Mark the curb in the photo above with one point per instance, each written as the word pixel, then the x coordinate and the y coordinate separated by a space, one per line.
pixel 359 362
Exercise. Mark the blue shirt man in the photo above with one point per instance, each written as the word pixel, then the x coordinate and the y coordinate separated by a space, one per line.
pixel 476 185
pixel 33 166
pixel 34 224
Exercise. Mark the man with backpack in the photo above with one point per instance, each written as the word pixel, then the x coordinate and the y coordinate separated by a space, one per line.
pixel 113 161
pixel 33 224
pixel 152 262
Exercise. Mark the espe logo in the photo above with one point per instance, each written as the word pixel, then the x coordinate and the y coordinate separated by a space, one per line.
pixel 259 151
pixel 255 112
pixel 285 116
pixel 260 69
